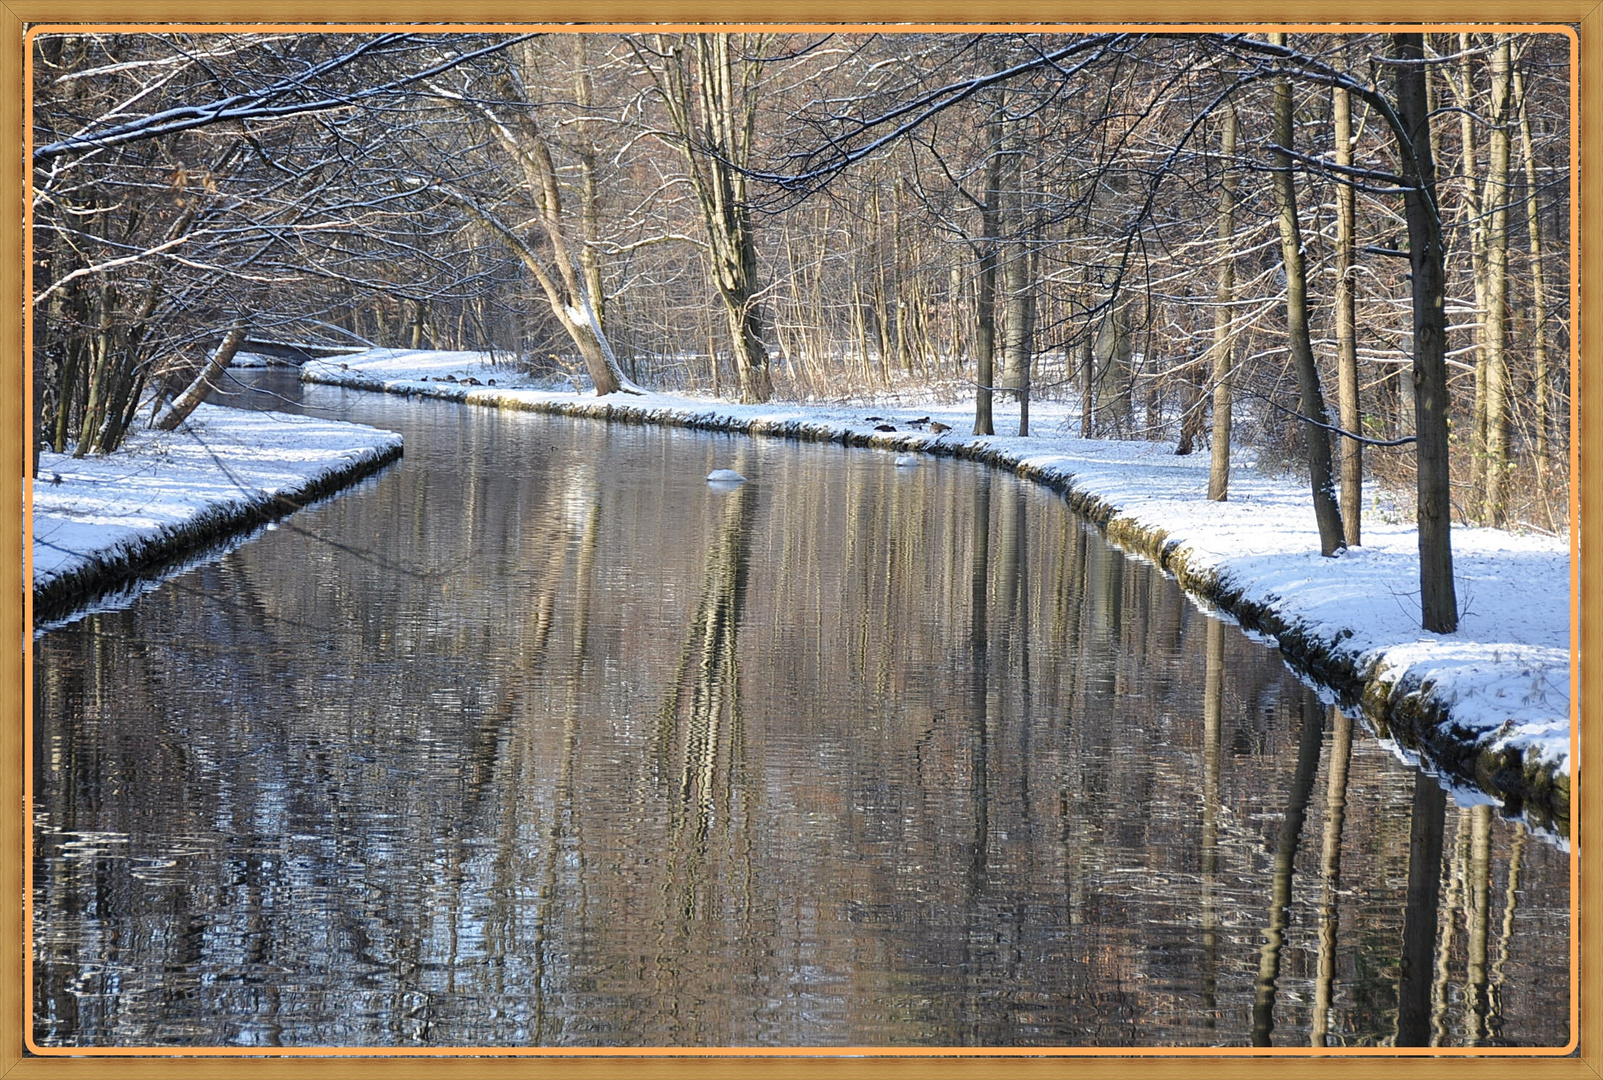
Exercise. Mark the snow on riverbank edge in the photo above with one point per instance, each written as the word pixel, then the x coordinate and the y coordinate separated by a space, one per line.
pixel 1489 704
pixel 99 522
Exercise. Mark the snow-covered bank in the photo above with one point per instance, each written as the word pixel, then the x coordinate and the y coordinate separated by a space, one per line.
pixel 1490 703
pixel 100 521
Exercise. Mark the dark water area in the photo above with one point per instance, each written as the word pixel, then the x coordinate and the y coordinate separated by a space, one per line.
pixel 538 739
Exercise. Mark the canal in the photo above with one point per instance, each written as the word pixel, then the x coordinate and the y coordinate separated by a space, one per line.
pixel 538 738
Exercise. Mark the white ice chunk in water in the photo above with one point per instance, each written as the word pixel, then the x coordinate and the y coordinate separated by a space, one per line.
pixel 725 476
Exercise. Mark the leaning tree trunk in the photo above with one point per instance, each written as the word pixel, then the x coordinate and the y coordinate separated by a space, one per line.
pixel 1224 297
pixel 1438 600
pixel 1316 434
pixel 179 410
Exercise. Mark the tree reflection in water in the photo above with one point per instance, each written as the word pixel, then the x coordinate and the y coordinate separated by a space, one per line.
pixel 562 747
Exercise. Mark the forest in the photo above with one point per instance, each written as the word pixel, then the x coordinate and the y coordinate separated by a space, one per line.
pixel 575 642
pixel 1346 253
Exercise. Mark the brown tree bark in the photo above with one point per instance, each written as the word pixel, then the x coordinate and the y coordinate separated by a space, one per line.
pixel 1352 451
pixel 1311 399
pixel 1539 358
pixel 1494 323
pixel 712 103
pixel 1433 491
pixel 1224 297
pixel 179 410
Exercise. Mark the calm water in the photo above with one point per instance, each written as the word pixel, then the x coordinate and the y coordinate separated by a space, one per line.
pixel 539 739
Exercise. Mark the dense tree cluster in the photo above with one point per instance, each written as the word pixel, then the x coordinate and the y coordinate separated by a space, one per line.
pixel 1200 237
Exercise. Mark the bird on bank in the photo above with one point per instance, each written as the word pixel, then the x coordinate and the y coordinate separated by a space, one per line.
pixel 939 428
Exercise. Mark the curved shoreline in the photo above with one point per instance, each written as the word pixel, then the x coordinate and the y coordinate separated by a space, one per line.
pixel 1403 709
pixel 108 570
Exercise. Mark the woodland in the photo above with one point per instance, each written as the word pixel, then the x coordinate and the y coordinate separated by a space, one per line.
pixel 1345 254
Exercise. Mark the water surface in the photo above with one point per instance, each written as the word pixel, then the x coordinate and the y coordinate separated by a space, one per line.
pixel 538 739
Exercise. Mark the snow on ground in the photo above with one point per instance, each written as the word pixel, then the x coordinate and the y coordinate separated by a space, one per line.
pixel 104 508
pixel 1505 673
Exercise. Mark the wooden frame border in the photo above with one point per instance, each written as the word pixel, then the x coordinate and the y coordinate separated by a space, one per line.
pixel 15 596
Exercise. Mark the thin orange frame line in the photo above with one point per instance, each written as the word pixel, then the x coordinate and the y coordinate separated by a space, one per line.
pixel 788 1052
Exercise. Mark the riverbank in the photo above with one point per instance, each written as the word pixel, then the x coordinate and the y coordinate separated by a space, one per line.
pixel 101 523
pixel 1489 705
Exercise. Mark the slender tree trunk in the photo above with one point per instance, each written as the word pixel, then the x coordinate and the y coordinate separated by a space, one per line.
pixel 1224 298
pixel 589 190
pixel 1352 451
pixel 1088 379
pixel 1312 403
pixel 1464 91
pixel 1533 226
pixel 1499 458
pixel 1438 599
pixel 985 285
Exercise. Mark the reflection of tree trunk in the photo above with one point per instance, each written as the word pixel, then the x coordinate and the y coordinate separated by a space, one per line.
pixel 1302 785
pixel 1419 920
pixel 1446 922
pixel 1510 902
pixel 979 746
pixel 703 707
pixel 1212 725
pixel 1330 870
pixel 1478 897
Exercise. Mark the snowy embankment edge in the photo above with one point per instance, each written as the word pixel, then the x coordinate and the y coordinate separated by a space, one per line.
pixel 101 572
pixel 1402 708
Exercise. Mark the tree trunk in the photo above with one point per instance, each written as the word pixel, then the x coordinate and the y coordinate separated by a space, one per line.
pixel 1312 404
pixel 1464 92
pixel 1494 349
pixel 713 111
pixel 180 409
pixel 1018 292
pixel 589 191
pixel 1352 451
pixel 1533 226
pixel 985 285
pixel 1224 297
pixel 1438 600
